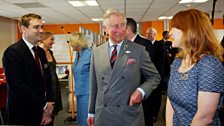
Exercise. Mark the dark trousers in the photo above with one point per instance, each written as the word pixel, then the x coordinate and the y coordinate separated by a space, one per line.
pixel 221 115
pixel 151 105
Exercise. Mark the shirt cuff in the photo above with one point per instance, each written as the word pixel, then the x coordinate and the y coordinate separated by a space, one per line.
pixel 47 104
pixel 91 115
pixel 142 92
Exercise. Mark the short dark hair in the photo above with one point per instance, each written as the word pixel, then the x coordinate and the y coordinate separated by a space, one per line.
pixel 132 23
pixel 165 32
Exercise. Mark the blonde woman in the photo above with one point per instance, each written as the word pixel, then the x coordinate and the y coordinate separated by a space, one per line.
pixel 81 68
pixel 46 43
pixel 196 85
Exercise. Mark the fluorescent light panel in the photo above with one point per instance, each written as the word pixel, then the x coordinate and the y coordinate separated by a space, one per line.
pixel 77 3
pixel 83 3
pixel 165 17
pixel 91 3
pixel 193 1
pixel 96 19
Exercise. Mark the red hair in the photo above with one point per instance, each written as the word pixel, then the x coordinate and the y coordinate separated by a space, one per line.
pixel 199 38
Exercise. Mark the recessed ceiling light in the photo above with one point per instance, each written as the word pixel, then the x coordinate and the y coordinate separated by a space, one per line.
pixel 165 17
pixel 91 3
pixel 77 3
pixel 193 1
pixel 83 3
pixel 96 19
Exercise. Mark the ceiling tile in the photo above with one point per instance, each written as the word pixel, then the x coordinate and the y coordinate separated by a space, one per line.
pixel 60 11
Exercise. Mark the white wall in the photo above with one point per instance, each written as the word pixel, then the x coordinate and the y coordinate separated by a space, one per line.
pixel 219 33
pixel 8 34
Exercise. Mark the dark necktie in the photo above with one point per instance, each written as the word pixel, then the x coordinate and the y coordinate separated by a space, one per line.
pixel 113 56
pixel 37 59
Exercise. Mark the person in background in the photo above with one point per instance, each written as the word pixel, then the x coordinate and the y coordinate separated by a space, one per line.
pixel 157 53
pixel 169 56
pixel 30 99
pixel 170 51
pixel 131 34
pixel 81 70
pixel 196 85
pixel 46 43
pixel 116 92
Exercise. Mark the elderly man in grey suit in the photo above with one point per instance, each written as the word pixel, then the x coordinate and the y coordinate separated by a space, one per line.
pixel 115 72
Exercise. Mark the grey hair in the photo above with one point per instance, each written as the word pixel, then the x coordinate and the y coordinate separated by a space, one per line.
pixel 110 12
pixel 153 29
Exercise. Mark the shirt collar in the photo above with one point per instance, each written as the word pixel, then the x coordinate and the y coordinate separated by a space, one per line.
pixel 153 41
pixel 118 45
pixel 133 39
pixel 30 46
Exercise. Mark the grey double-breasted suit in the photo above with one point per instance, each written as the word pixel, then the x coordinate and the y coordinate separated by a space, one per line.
pixel 110 89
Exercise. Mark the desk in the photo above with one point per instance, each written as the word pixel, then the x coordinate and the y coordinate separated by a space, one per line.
pixel 63 77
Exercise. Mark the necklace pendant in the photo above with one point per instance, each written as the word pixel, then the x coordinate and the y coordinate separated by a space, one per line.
pixel 183 76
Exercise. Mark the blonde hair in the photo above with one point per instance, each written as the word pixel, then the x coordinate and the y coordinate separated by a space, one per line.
pixel 78 39
pixel 110 12
pixel 198 36
pixel 45 35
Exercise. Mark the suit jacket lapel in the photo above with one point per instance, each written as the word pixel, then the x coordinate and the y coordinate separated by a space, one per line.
pixel 105 55
pixel 31 57
pixel 120 63
pixel 28 53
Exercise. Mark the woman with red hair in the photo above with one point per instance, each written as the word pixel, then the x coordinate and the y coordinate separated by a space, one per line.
pixel 196 85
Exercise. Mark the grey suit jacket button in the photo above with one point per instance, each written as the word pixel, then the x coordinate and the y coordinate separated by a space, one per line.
pixel 118 106
pixel 105 105
pixel 102 78
pixel 122 77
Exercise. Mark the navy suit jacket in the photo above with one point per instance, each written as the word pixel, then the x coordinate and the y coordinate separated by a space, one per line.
pixel 28 89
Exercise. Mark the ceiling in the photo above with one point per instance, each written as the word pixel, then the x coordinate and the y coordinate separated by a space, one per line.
pixel 61 12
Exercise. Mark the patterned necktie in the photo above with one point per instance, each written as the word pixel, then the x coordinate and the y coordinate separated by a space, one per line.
pixel 113 56
pixel 37 59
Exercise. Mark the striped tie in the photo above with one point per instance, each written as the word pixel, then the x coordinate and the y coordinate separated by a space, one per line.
pixel 113 56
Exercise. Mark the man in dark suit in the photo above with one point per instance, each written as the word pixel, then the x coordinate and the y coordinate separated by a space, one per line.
pixel 116 67
pixel 131 34
pixel 170 51
pixel 28 78
pixel 157 54
pixel 170 54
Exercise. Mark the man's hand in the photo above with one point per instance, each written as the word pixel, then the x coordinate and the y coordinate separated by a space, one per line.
pixel 136 98
pixel 49 108
pixel 46 118
pixel 91 121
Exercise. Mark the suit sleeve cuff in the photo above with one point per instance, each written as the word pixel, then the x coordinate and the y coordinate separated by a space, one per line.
pixel 142 92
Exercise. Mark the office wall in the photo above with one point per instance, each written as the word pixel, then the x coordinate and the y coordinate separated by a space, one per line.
pixel 218 24
pixel 159 26
pixel 8 34
pixel 57 29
